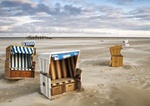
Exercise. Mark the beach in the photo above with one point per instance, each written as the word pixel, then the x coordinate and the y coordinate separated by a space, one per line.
pixel 102 85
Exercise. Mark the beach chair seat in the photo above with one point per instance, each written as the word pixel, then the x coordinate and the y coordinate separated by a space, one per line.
pixel 62 81
pixel 67 80
pixel 56 82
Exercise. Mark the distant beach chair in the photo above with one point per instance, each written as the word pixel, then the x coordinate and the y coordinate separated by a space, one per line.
pixel 19 62
pixel 125 43
pixel 116 57
pixel 30 43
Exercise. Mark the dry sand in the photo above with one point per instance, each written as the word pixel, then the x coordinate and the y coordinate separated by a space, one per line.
pixel 102 85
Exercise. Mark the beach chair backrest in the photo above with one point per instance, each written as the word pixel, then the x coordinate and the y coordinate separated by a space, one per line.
pixel 21 58
pixel 64 64
pixel 115 50
pixel 59 64
pixel 21 61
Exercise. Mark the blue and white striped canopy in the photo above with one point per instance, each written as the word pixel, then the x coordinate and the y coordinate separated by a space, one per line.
pixel 62 56
pixel 20 49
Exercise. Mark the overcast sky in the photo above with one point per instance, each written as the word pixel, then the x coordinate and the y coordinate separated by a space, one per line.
pixel 101 17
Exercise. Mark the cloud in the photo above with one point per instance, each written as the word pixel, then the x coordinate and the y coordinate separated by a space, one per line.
pixel 70 10
pixel 75 1
pixel 39 17
pixel 140 18
pixel 140 14
pixel 122 2
pixel 17 8
pixel 141 11
pixel 11 24
pixel 10 3
pixel 21 16
pixel 42 8
pixel 115 18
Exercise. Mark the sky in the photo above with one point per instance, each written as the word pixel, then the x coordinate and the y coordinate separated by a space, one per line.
pixel 75 17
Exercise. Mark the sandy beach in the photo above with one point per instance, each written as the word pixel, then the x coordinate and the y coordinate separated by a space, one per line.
pixel 102 85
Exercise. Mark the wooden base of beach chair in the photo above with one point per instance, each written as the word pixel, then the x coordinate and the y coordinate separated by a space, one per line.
pixel 28 74
pixel 69 87
pixel 55 90
pixel 62 85
pixel 117 61
pixel 17 74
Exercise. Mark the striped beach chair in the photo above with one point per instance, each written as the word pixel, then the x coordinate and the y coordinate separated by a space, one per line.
pixel 30 43
pixel 19 58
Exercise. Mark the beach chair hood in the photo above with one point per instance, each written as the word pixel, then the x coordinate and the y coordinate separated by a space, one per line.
pixel 21 49
pixel 45 58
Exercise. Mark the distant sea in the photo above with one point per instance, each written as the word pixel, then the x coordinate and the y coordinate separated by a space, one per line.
pixel 66 35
